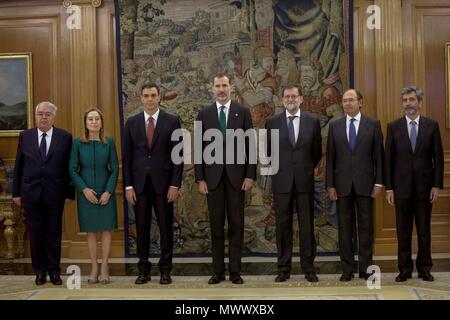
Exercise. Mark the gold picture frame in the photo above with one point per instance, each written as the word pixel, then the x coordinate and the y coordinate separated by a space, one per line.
pixel 447 80
pixel 16 93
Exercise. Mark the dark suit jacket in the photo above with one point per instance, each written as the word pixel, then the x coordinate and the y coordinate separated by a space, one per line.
pixel 139 158
pixel 405 169
pixel 33 177
pixel 295 163
pixel 362 167
pixel 238 118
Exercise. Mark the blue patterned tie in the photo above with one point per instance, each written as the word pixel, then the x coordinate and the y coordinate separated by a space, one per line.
pixel 413 136
pixel 43 147
pixel 291 129
pixel 352 134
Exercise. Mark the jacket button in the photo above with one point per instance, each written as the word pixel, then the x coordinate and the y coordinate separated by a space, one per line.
pixel 148 157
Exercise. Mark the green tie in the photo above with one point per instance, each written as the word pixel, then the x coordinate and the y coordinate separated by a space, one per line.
pixel 223 121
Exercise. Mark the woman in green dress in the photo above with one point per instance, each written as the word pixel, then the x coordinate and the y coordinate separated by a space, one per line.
pixel 94 168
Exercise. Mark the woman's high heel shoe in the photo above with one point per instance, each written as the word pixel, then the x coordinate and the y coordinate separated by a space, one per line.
pixel 93 280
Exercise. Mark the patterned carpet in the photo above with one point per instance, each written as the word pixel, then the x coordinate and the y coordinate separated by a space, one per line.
pixel 255 288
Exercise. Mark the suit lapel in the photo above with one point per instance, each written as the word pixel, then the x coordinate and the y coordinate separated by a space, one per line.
pixel 342 132
pixel 35 144
pixel 53 143
pixel 361 131
pixel 232 117
pixel 284 134
pixel 421 133
pixel 404 133
pixel 159 125
pixel 141 127
pixel 214 116
pixel 303 123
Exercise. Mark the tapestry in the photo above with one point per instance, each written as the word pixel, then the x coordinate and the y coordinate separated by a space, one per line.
pixel 261 45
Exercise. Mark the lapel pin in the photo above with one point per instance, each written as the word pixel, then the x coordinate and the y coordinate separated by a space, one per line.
pixel 236 115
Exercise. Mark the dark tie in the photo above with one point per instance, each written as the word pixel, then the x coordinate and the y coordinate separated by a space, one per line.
pixel 223 121
pixel 352 134
pixel 43 147
pixel 150 130
pixel 291 129
pixel 413 136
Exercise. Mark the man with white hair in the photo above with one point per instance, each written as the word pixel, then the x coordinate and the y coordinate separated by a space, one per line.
pixel 41 185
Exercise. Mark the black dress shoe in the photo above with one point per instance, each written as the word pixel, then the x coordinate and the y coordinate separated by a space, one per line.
pixel 402 277
pixel 56 280
pixel 216 278
pixel 142 279
pixel 40 279
pixel 426 276
pixel 236 278
pixel 364 275
pixel 346 277
pixel 311 277
pixel 165 278
pixel 282 277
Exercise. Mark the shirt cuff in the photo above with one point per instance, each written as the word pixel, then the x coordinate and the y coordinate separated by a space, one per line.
pixel 173 187
pixel 129 188
pixel 389 190
pixel 378 185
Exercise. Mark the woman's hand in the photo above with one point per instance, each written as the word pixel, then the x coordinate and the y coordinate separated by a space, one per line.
pixel 90 195
pixel 104 198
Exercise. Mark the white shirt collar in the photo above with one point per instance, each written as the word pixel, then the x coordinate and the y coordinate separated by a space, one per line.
pixel 297 114
pixel 408 120
pixel 154 116
pixel 226 105
pixel 49 133
pixel 357 117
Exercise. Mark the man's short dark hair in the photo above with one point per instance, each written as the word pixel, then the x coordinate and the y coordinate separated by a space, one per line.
pixel 409 89
pixel 292 86
pixel 359 96
pixel 221 75
pixel 149 85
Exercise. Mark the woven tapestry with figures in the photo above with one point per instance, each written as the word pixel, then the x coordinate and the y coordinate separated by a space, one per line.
pixel 261 45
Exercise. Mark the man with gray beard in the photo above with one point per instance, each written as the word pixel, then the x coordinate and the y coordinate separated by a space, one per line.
pixel 300 149
pixel 414 173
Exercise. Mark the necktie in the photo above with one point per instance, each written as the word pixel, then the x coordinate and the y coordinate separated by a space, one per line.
pixel 43 147
pixel 291 129
pixel 223 121
pixel 413 136
pixel 150 130
pixel 352 134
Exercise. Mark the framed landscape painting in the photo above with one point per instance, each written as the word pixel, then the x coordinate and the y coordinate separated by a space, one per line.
pixel 16 94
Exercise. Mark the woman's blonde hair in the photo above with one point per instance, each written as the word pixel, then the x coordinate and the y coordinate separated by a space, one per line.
pixel 85 137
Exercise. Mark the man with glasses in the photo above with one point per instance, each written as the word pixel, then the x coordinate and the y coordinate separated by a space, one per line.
pixel 299 153
pixel 41 185
pixel 354 177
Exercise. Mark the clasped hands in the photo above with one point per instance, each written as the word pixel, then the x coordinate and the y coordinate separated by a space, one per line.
pixel 91 196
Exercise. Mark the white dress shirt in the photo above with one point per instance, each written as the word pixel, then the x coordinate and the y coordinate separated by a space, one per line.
pixel 48 138
pixel 408 121
pixel 154 116
pixel 226 109
pixel 356 123
pixel 296 122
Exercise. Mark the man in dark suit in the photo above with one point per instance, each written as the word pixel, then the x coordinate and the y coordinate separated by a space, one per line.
pixel 151 179
pixel 300 150
pixel 414 174
pixel 41 185
pixel 224 184
pixel 354 177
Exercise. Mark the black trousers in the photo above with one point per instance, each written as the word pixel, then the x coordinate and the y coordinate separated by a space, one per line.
pixel 346 222
pixel 284 232
pixel 223 201
pixel 44 221
pixel 408 210
pixel 147 200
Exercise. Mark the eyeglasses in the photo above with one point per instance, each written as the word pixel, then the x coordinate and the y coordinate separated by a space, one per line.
pixel 44 114
pixel 291 97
